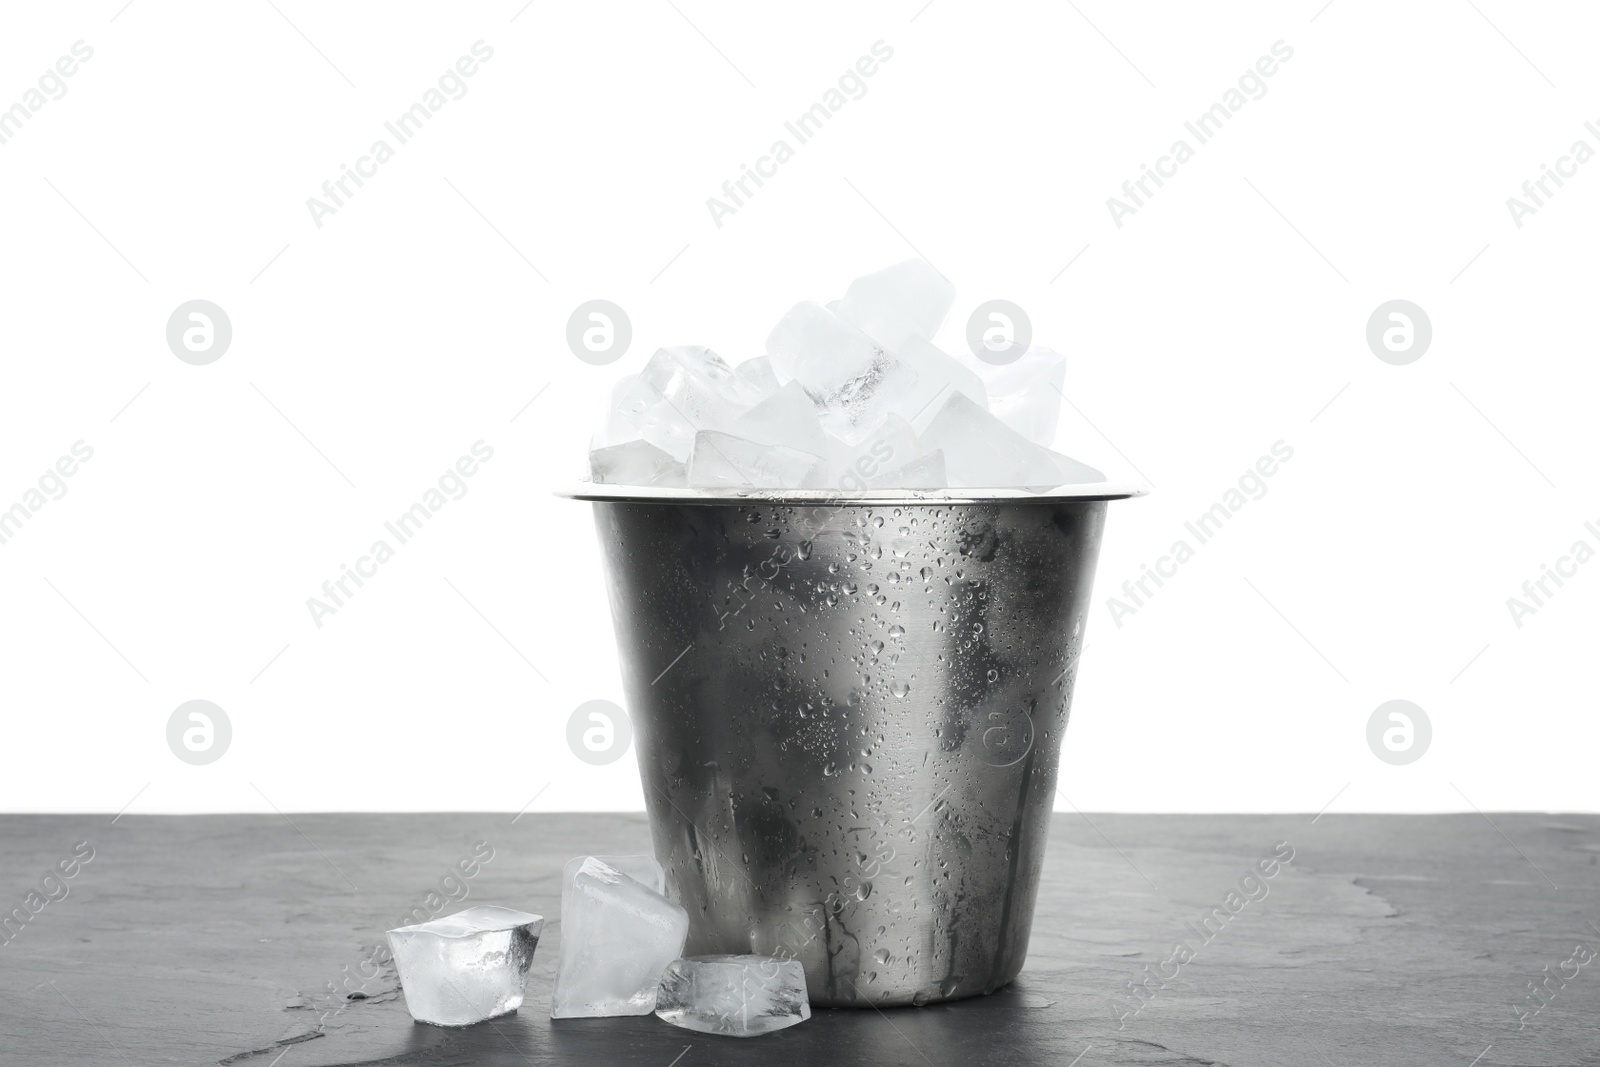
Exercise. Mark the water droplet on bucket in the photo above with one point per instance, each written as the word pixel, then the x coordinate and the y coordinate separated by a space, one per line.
pixel 900 689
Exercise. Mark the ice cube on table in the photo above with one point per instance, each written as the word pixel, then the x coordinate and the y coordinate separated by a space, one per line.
pixel 681 391
pixel 906 300
pixel 635 463
pixel 642 869
pixel 980 451
pixel 617 937
pixel 759 375
pixel 853 381
pixel 724 459
pixel 938 375
pixel 1026 393
pixel 466 967
pixel 923 472
pixel 787 417
pixel 738 996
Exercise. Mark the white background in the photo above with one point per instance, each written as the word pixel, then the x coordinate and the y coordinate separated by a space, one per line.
pixel 1227 314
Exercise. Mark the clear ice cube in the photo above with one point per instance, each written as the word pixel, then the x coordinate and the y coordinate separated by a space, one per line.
pixel 1026 393
pixel 1073 472
pixel 617 937
pixel 642 869
pixel 679 392
pixel 981 451
pixel 759 375
pixel 853 381
pixel 938 375
pixel 891 444
pixel 906 300
pixel 723 459
pixel 924 472
pixel 466 967
pixel 738 996
pixel 635 463
pixel 787 417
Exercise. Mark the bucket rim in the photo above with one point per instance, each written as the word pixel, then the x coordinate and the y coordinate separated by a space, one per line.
pixel 645 494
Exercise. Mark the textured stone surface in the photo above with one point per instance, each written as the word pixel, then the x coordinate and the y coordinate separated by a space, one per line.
pixel 1386 940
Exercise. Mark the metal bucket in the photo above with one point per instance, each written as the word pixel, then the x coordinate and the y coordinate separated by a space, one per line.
pixel 848 717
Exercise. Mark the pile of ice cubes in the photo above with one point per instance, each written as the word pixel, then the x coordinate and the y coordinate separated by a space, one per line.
pixel 849 397
pixel 621 954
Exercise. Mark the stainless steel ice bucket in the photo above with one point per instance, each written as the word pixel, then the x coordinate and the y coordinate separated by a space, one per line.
pixel 848 716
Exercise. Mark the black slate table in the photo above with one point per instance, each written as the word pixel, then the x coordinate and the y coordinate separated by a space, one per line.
pixel 1384 940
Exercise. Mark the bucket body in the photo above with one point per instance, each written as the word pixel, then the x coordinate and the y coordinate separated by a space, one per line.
pixel 848 720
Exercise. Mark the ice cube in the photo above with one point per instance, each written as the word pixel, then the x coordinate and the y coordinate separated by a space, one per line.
pixel 852 467
pixel 617 937
pixel 924 472
pixel 642 869
pixel 906 300
pixel 720 459
pixel 853 381
pixel 739 996
pixel 1026 393
pixel 787 417
pixel 466 967
pixel 635 463
pixel 681 391
pixel 759 375
pixel 981 451
pixel 1074 473
pixel 937 376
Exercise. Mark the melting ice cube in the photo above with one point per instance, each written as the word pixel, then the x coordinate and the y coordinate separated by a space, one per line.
pixel 740 996
pixel 617 937
pixel 906 300
pixel 466 967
